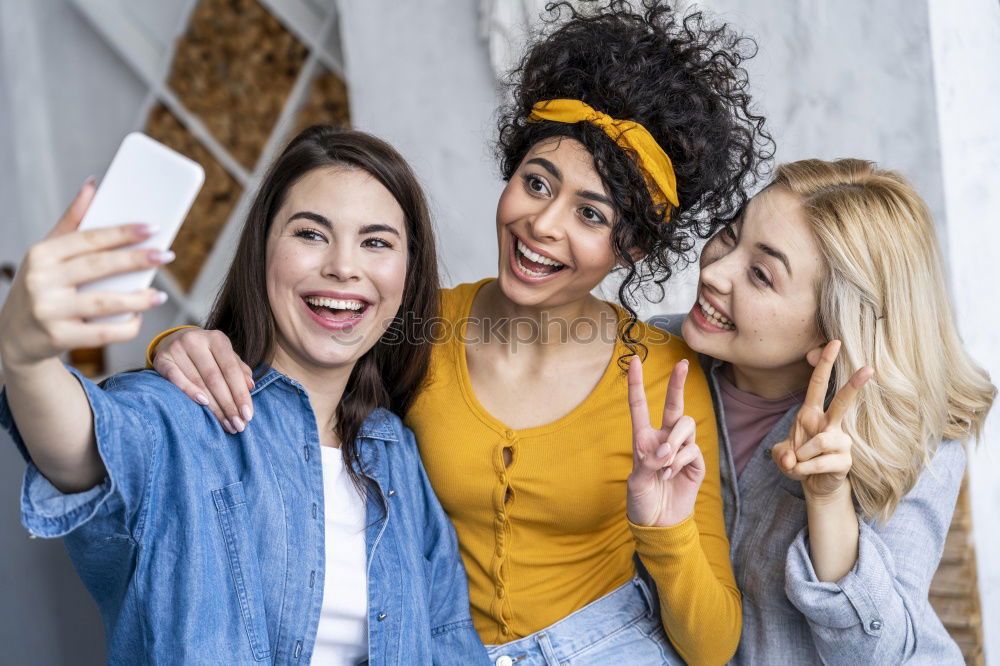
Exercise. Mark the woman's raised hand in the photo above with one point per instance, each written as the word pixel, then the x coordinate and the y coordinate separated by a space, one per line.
pixel 204 366
pixel 667 465
pixel 818 451
pixel 44 314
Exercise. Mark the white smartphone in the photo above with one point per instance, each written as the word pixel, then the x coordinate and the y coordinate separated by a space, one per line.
pixel 146 182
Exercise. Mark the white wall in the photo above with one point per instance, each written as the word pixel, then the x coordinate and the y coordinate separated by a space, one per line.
pixel 965 35
pixel 429 90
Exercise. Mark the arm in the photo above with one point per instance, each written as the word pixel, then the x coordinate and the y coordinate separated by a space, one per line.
pixel 55 423
pixel 700 603
pixel 454 639
pixel 818 454
pixel 44 316
pixel 863 590
pixel 879 611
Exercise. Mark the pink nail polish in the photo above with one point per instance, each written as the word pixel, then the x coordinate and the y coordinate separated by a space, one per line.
pixel 202 400
pixel 162 256
pixel 228 427
pixel 246 412
pixel 238 423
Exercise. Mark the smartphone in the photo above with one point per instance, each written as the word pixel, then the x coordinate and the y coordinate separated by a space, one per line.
pixel 146 182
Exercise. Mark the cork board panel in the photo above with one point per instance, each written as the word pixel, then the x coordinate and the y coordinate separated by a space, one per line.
pixel 326 103
pixel 234 68
pixel 954 589
pixel 211 209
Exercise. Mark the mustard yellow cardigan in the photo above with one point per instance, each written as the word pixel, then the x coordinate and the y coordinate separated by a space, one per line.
pixel 562 539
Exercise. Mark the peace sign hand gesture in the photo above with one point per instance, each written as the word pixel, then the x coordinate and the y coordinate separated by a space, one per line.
pixel 667 465
pixel 818 451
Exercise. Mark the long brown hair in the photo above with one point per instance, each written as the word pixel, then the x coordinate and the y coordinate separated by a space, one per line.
pixel 390 373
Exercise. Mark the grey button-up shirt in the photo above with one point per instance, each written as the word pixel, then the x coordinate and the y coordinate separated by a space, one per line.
pixel 879 612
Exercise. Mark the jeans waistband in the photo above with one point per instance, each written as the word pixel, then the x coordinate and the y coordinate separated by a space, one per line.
pixel 619 608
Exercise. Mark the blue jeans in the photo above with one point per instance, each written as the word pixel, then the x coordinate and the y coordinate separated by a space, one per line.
pixel 621 627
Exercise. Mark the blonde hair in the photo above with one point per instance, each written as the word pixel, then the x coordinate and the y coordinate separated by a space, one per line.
pixel 883 295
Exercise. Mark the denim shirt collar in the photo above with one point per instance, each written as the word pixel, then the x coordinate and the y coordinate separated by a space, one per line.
pixel 378 425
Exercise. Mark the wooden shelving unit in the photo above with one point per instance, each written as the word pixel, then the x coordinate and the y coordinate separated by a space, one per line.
pixel 312 24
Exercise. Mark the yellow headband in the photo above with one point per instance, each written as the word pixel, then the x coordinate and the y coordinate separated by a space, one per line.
pixel 653 162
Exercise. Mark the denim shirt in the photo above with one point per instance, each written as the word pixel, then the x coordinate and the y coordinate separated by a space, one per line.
pixel 202 547
pixel 879 612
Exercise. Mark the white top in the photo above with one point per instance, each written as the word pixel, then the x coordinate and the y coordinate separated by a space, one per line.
pixel 342 636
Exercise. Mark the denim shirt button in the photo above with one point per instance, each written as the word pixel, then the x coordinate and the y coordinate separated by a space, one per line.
pixel 392 491
pixel 875 625
pixel 504 660
pixel 381 616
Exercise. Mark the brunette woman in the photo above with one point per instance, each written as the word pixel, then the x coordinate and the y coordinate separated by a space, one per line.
pixel 312 534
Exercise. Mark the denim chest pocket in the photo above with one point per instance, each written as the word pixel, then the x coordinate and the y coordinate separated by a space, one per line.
pixel 231 506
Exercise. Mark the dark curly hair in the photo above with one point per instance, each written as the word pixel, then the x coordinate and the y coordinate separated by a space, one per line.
pixel 682 78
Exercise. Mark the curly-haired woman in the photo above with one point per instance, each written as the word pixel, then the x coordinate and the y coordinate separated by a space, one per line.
pixel 627 130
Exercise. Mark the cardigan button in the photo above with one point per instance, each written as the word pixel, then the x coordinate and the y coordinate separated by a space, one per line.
pixel 875 625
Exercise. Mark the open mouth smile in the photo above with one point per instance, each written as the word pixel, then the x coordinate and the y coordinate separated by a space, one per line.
pixel 529 265
pixel 710 318
pixel 336 313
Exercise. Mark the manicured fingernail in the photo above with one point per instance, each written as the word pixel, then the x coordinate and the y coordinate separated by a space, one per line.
pixel 228 426
pixel 238 422
pixel 668 473
pixel 202 400
pixel 159 298
pixel 246 412
pixel 663 450
pixel 162 256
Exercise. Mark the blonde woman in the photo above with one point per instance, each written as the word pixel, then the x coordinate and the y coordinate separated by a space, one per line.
pixel 839 484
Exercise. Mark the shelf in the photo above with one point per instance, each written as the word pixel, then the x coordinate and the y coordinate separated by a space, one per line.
pixel 150 55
